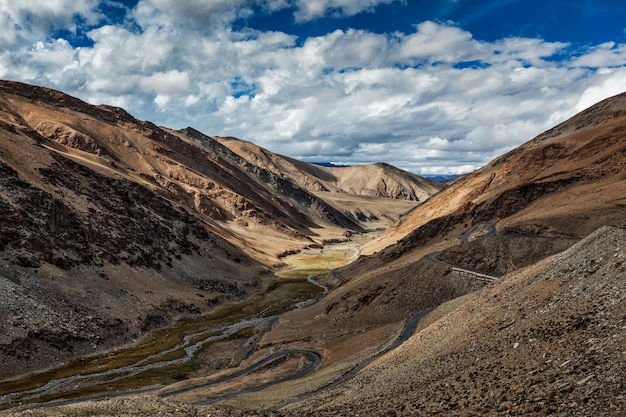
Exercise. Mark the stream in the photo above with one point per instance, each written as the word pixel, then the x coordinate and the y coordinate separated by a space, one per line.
pixel 172 351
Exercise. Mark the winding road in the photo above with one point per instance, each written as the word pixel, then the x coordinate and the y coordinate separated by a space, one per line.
pixel 192 343
pixel 488 229
pixel 314 361
pixel 315 358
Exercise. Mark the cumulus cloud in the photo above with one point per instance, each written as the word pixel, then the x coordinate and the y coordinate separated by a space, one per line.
pixel 432 100
pixel 25 21
pixel 437 42
pixel 312 9
pixel 609 82
pixel 608 54
pixel 170 82
pixel 203 12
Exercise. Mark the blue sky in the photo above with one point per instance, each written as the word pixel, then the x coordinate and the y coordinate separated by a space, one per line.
pixel 439 86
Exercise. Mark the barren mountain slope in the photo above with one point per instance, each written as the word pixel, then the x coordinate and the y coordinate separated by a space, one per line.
pixel 237 201
pixel 546 340
pixel 89 261
pixel 567 181
pixel 333 183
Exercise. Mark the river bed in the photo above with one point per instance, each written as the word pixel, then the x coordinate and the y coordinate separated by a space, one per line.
pixel 169 354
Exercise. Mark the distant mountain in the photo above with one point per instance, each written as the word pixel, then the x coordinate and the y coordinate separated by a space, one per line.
pixel 443 178
pixel 362 191
pixel 330 165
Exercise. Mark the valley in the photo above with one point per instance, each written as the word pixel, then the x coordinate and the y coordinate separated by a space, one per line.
pixel 179 351
pixel 152 271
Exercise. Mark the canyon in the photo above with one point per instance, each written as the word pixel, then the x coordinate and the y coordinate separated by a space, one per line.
pixel 114 229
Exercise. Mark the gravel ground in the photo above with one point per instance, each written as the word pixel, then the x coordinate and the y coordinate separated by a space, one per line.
pixel 547 340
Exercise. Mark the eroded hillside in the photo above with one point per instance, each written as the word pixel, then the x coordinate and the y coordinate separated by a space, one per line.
pixel 111 226
pixel 546 340
pixel 515 273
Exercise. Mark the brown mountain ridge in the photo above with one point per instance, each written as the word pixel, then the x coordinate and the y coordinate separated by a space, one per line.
pixel 544 337
pixel 99 211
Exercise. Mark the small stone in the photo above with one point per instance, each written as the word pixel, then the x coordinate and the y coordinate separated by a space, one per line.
pixel 505 406
pixel 584 380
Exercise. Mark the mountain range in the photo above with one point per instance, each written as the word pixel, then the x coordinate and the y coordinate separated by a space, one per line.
pixel 101 211
pixel 112 227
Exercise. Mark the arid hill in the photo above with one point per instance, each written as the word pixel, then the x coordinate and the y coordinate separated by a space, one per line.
pixel 503 219
pixel 545 337
pixel 362 191
pixel 111 226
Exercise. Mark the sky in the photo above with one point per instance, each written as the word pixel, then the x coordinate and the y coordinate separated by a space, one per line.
pixel 430 86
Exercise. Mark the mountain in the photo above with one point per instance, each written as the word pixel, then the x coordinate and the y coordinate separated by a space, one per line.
pixel 362 191
pixel 111 226
pixel 503 294
pixel 443 178
pixel 546 340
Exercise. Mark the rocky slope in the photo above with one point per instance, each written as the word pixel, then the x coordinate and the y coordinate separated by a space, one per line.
pixel 111 226
pixel 374 180
pixel 546 340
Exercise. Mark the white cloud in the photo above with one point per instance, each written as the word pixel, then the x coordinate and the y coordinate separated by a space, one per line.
pixel 313 9
pixel 203 12
pixel 608 83
pixel 608 54
pixel 161 101
pixel 169 82
pixel 436 42
pixel 433 100
pixel 24 21
pixel 530 51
